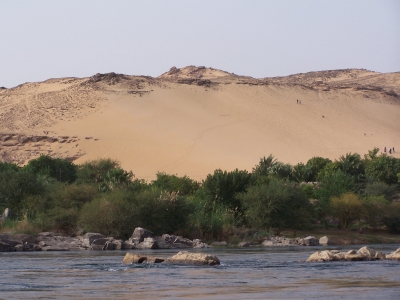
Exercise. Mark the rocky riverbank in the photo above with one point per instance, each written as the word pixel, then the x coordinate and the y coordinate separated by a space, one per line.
pixel 49 241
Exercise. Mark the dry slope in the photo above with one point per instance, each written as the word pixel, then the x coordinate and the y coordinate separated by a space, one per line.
pixel 195 119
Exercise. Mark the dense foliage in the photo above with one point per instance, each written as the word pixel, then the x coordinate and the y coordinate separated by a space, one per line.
pixel 52 194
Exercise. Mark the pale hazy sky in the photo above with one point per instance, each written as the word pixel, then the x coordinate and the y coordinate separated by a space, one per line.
pixel 48 39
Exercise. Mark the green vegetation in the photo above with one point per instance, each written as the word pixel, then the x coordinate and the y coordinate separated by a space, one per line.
pixel 52 194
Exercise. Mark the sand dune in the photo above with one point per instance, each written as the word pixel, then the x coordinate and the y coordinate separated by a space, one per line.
pixel 193 120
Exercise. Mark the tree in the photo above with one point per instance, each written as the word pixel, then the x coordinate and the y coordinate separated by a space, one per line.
pixel 172 183
pixel 347 208
pixel 375 209
pixel 301 173
pixel 15 186
pixel 333 183
pixel 276 205
pixel 60 169
pixel 221 188
pixel 316 165
pixel 271 167
pixel 383 168
pixel 107 174
pixel 351 164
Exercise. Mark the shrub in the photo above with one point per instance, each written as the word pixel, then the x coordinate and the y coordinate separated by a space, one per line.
pixel 106 174
pixel 383 168
pixel 172 183
pixel 374 210
pixel 221 188
pixel 277 205
pixel 57 168
pixel 347 208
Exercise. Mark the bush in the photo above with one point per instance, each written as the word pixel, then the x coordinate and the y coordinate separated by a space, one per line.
pixel 392 217
pixel 14 187
pixel 221 188
pixel 172 183
pixel 374 210
pixel 347 208
pixel 112 214
pixel 277 205
pixel 118 213
pixel 57 168
pixel 383 168
pixel 106 174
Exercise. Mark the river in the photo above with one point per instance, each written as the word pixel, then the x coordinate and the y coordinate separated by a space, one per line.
pixel 255 273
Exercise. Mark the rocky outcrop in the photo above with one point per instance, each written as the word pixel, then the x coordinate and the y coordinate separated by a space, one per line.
pixel 19 147
pixel 182 258
pixel 363 254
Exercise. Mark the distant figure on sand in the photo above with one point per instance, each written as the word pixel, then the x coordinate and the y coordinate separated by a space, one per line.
pixel 393 149
pixel 297 101
pixel 390 150
pixel 384 149
pixel 323 116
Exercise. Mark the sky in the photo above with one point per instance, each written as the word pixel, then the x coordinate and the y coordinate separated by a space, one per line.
pixel 42 39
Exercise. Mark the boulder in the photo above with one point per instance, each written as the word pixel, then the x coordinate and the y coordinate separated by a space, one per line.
pixel 199 244
pixel 244 244
pixel 188 258
pixel 139 234
pixel 162 243
pixel 181 242
pixel 267 243
pixel 109 245
pixel 320 256
pixel 223 243
pixel 132 258
pixel 128 245
pixel 148 243
pixel 352 255
pixel 324 241
pixel 6 247
pixel 368 253
pixel 99 244
pixel 394 255
pixel 89 237
pixel 118 244
pixel 311 241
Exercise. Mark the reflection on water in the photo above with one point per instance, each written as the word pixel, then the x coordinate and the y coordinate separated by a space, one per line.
pixel 244 273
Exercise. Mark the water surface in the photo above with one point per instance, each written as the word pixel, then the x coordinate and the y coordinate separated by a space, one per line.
pixel 256 273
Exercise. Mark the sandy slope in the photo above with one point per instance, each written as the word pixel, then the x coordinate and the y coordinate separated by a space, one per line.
pixel 194 120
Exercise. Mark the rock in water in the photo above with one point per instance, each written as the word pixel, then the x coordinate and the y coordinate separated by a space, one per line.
pixel 184 257
pixel 321 256
pixel 131 258
pixel 311 241
pixel 324 241
pixel 394 255
pixel 148 243
pixel 139 234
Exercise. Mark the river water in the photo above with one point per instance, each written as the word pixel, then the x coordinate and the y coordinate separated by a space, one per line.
pixel 255 273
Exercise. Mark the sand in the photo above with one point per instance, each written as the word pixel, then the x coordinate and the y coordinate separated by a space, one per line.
pixel 194 120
